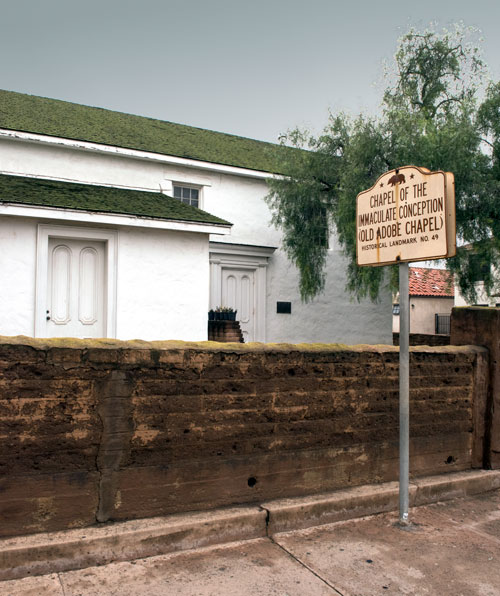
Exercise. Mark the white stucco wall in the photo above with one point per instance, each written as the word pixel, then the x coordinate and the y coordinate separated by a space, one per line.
pixel 163 285
pixel 17 276
pixel 162 282
pixel 482 298
pixel 77 165
pixel 332 317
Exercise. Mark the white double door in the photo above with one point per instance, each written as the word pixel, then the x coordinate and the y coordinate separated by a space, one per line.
pixel 238 292
pixel 75 288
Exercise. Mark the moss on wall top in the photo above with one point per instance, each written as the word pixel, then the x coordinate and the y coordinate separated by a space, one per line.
pixel 209 346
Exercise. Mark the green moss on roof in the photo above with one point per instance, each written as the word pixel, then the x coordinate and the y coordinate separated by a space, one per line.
pixel 29 113
pixel 99 199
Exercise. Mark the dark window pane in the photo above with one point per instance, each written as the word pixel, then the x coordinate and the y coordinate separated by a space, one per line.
pixel 187 195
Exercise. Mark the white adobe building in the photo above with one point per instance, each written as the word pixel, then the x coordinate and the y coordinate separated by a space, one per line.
pixel 113 225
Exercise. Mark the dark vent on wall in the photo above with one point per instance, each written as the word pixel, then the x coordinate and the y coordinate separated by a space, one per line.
pixel 284 308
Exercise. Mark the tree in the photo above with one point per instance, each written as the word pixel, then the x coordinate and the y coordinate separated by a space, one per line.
pixel 430 117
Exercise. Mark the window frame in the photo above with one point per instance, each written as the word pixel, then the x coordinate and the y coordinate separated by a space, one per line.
pixel 191 187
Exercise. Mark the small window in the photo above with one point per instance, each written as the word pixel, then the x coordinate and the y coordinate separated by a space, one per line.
pixel 395 309
pixel 187 195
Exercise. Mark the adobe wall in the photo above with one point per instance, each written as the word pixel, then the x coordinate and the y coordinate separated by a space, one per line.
pixel 108 430
pixel 481 326
pixel 424 339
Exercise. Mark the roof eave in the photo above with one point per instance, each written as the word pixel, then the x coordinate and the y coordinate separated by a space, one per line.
pixel 117 219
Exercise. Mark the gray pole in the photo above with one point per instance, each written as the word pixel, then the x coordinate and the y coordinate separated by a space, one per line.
pixel 404 393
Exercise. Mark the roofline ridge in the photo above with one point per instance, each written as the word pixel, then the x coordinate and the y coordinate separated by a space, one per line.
pixel 151 118
pixel 82 182
pixel 129 152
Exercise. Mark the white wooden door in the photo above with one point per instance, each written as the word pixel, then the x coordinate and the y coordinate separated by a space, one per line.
pixel 238 292
pixel 75 288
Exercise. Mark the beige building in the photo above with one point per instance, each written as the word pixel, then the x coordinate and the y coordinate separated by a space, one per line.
pixel 432 296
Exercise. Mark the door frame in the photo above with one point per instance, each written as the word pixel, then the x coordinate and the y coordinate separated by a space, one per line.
pixel 224 255
pixel 110 239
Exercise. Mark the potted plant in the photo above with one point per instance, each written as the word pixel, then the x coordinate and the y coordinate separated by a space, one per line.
pixel 230 314
pixel 225 313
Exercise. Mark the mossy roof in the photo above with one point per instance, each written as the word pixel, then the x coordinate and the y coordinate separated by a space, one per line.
pixel 29 113
pixel 99 199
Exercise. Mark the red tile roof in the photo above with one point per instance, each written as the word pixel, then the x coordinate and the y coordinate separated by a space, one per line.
pixel 431 282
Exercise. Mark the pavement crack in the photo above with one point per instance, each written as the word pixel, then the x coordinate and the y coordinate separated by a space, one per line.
pixel 61 584
pixel 473 528
pixel 291 555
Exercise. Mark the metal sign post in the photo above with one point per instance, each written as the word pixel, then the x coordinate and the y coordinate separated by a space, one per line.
pixel 407 215
pixel 404 392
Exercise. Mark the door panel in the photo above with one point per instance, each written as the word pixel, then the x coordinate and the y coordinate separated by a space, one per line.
pixel 246 306
pixel 229 296
pixel 75 288
pixel 89 286
pixel 238 292
pixel 61 284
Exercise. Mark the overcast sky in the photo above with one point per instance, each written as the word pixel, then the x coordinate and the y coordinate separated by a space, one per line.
pixel 255 68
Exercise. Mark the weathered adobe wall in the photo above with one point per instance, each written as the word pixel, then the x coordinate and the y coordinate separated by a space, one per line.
pixel 109 430
pixel 481 326
pixel 424 339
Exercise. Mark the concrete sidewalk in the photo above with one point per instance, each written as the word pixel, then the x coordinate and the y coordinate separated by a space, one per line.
pixel 452 547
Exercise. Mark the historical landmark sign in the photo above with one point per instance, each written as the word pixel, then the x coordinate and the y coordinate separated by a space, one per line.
pixel 407 215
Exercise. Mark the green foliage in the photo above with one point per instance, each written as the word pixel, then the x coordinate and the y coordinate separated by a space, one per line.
pixel 429 118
